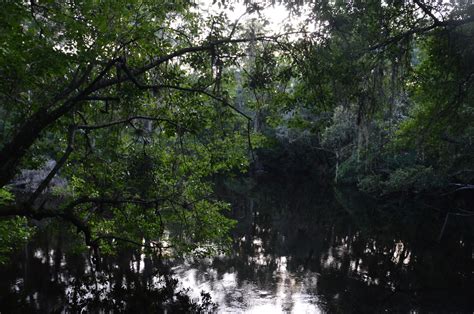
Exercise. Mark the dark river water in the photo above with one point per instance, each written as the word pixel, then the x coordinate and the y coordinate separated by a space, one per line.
pixel 298 248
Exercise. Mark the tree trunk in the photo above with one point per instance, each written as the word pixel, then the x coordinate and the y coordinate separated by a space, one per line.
pixel 12 153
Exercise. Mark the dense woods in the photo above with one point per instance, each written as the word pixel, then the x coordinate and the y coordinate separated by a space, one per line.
pixel 141 107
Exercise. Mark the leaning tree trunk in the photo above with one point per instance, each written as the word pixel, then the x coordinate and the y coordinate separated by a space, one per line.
pixel 13 152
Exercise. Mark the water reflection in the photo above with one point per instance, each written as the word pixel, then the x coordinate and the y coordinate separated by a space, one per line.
pixel 298 248
pixel 280 291
pixel 49 277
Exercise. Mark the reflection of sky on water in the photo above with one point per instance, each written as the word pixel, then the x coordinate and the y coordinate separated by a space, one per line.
pixel 292 292
pixel 283 291
pixel 238 290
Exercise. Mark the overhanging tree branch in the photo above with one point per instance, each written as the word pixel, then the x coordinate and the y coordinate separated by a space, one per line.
pixel 44 184
pixel 14 151
pixel 204 92
pixel 100 98
pixel 127 120
pixel 156 245
pixel 422 30
pixel 181 52
pixel 132 77
pixel 427 11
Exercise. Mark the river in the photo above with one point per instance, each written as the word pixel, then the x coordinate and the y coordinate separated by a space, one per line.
pixel 298 247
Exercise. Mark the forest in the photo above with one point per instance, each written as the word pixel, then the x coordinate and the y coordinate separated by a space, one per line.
pixel 150 136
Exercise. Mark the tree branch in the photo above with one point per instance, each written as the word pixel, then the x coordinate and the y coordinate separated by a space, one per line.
pixel 180 88
pixel 44 184
pixel 156 245
pixel 99 200
pixel 100 98
pixel 13 151
pixel 422 30
pixel 201 91
pixel 180 52
pixel 127 120
pixel 427 11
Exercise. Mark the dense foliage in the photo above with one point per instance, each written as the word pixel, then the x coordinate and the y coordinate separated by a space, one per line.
pixel 130 100
pixel 384 93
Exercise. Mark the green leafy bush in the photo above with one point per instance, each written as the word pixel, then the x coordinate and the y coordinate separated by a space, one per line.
pixel 413 179
pixel 13 231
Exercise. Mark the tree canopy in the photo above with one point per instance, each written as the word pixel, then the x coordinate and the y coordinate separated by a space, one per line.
pixel 141 103
pixel 130 99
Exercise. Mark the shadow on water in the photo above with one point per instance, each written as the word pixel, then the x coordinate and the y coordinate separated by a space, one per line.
pixel 52 274
pixel 298 247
